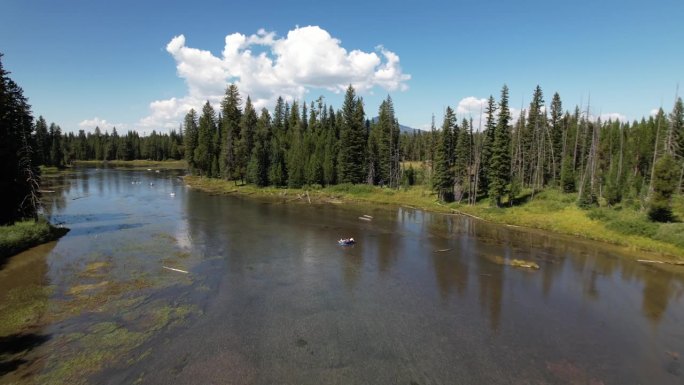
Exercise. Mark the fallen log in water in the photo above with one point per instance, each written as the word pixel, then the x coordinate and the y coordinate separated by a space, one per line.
pixel 176 270
pixel 513 262
pixel 679 263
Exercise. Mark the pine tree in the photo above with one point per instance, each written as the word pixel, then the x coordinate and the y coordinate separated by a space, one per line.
pixel 567 176
pixel 248 123
pixel 352 140
pixel 557 133
pixel 373 169
pixel 534 141
pixel 500 162
pixel 677 126
pixel 387 144
pixel 56 152
pixel 19 176
pixel 204 152
pixel 230 133
pixel 463 161
pixel 330 156
pixel 42 148
pixel 277 171
pixel 664 186
pixel 191 132
pixel 487 145
pixel 257 169
pixel 443 178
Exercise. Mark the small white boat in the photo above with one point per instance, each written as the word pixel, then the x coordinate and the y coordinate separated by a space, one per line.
pixel 173 194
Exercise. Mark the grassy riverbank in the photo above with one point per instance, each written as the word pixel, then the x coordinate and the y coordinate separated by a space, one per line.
pixel 549 210
pixel 157 165
pixel 26 234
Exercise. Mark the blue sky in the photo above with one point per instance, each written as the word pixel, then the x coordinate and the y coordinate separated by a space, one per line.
pixel 86 62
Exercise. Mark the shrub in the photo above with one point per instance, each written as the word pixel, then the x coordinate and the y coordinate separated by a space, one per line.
pixel 671 233
pixel 640 227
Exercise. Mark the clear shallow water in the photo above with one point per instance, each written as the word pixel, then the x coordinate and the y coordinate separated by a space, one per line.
pixel 417 300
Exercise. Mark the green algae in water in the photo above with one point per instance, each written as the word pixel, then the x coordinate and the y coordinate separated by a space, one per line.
pixel 23 307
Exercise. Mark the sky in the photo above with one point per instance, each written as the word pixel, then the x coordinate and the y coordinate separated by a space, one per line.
pixel 143 64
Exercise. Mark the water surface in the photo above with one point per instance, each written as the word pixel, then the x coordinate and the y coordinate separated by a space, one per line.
pixel 271 298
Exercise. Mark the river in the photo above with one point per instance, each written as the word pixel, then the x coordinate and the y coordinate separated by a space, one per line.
pixel 270 298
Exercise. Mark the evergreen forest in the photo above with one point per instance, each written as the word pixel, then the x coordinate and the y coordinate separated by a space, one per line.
pixel 491 157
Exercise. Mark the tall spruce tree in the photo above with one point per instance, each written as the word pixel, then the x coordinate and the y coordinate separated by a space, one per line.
pixel 257 169
pixel 664 186
pixel 500 162
pixel 557 133
pixel 230 134
pixel 190 137
pixel 463 161
pixel 487 145
pixel 388 144
pixel 19 176
pixel 352 140
pixel 443 178
pixel 677 124
pixel 204 152
pixel 56 158
pixel 42 142
pixel 248 123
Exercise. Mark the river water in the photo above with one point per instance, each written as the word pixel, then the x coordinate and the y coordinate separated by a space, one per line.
pixel 270 298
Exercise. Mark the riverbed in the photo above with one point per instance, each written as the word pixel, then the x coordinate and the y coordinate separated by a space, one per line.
pixel 157 283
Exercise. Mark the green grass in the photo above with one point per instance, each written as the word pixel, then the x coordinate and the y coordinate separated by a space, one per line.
pixel 47 170
pixel 26 234
pixel 549 210
pixel 140 163
pixel 555 211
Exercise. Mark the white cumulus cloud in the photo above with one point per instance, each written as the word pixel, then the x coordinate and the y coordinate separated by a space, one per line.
pixel 613 116
pixel 90 124
pixel 266 66
pixel 471 106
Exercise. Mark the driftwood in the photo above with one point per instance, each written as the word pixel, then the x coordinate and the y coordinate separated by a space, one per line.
pixel 176 270
pixel 679 263
pixel 513 262
pixel 365 219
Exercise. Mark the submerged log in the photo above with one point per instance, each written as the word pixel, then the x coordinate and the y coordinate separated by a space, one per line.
pixel 678 263
pixel 176 270
pixel 514 262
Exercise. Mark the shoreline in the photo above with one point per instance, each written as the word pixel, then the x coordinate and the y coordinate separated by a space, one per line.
pixel 567 220
pixel 24 235
pixel 127 164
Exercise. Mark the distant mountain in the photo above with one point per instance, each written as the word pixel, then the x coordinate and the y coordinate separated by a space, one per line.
pixel 403 129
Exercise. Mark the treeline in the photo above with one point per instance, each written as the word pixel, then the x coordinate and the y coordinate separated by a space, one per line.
pixel 638 164
pixel 612 162
pixel 295 146
pixel 52 148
